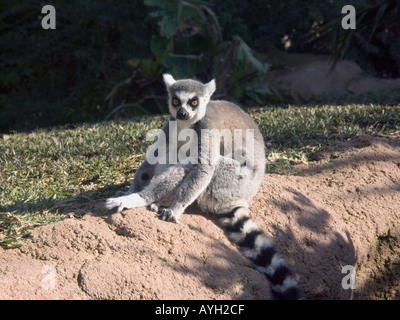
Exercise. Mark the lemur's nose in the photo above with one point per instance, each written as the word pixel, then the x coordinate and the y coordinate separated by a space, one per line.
pixel 182 114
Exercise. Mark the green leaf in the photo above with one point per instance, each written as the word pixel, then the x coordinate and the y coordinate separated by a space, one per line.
pixel 134 62
pixel 245 55
pixel 148 66
pixel 168 13
pixel 158 45
pixel 261 93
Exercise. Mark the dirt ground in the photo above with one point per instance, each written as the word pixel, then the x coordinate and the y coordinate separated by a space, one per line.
pixel 343 211
pixel 304 76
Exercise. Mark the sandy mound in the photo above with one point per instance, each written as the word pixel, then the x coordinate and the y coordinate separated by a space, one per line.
pixel 343 211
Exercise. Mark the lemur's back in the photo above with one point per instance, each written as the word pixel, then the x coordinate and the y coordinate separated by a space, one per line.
pixel 226 115
pixel 233 183
pixel 222 115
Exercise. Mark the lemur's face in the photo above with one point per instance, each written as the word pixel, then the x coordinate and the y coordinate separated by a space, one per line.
pixel 185 105
pixel 188 99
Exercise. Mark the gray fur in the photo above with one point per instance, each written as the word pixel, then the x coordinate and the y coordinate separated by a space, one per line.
pixel 218 186
pixel 218 183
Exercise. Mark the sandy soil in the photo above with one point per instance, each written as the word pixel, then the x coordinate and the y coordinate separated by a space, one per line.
pixel 342 211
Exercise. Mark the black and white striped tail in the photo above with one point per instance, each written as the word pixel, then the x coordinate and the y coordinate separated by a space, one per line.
pixel 256 246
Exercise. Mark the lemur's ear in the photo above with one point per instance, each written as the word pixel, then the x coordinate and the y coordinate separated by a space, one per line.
pixel 209 88
pixel 168 80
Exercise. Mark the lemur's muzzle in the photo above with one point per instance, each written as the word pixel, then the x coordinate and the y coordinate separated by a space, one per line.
pixel 182 114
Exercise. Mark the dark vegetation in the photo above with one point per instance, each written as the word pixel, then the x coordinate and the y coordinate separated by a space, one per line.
pixel 105 58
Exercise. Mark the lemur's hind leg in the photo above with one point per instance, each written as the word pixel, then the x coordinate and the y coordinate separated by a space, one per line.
pixel 162 188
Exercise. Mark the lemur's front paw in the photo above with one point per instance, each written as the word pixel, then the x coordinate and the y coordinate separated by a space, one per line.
pixel 112 203
pixel 155 207
pixel 132 200
pixel 169 215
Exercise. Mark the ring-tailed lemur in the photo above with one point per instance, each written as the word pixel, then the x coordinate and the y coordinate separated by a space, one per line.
pixel 221 175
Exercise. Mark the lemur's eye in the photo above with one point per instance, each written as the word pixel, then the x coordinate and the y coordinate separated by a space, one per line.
pixel 175 101
pixel 194 102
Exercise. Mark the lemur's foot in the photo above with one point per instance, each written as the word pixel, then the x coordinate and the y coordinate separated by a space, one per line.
pixel 129 201
pixel 111 203
pixel 155 207
pixel 169 215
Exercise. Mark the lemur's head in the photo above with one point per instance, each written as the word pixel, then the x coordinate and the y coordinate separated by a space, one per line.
pixel 188 99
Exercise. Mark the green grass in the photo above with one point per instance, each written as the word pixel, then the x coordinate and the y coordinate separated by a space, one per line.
pixel 47 175
pixel 292 135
